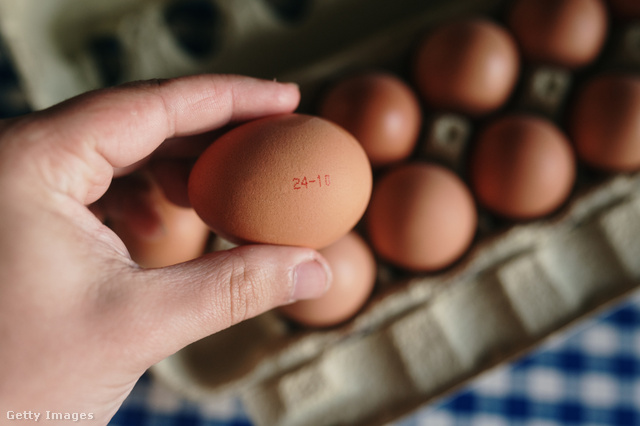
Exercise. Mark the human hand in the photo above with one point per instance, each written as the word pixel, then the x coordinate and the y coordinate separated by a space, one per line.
pixel 79 320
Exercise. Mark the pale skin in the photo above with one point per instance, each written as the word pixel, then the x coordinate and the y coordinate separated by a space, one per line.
pixel 80 322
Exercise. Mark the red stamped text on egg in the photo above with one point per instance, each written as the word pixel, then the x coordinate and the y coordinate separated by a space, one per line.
pixel 305 183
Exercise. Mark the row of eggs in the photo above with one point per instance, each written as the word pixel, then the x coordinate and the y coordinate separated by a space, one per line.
pixel 303 180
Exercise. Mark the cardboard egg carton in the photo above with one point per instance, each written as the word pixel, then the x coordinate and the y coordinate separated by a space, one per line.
pixel 428 335
pixel 65 47
pixel 420 336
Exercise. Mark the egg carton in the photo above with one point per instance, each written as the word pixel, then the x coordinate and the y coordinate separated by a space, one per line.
pixel 420 336
pixel 65 47
pixel 428 335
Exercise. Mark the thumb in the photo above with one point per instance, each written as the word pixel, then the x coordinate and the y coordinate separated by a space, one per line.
pixel 177 305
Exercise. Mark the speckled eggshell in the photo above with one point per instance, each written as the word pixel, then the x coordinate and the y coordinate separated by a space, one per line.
pixel 290 179
pixel 354 273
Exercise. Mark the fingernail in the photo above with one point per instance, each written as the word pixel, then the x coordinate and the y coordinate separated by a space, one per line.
pixel 311 279
pixel 289 96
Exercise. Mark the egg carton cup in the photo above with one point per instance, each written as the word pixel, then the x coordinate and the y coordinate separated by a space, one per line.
pixel 420 336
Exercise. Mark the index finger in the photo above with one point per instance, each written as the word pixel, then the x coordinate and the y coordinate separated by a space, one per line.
pixel 124 124
pixel 128 122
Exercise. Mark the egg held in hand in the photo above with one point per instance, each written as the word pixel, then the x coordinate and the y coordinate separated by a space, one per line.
pixel 354 273
pixel 289 179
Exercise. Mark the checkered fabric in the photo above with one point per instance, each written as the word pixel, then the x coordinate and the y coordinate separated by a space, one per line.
pixel 150 403
pixel 589 375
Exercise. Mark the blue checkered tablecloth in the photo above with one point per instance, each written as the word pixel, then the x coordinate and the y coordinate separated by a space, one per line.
pixel 588 375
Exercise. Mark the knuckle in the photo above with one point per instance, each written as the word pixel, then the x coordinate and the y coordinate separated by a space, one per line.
pixel 244 287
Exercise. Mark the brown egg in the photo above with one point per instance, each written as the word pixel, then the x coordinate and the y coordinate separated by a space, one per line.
pixel 380 110
pixel 179 236
pixel 625 9
pixel 568 33
pixel 421 217
pixel 468 66
pixel 290 179
pixel 605 123
pixel 354 273
pixel 522 167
